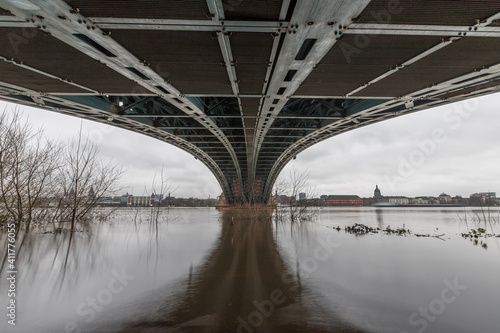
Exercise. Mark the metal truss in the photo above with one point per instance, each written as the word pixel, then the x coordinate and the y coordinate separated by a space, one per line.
pixel 241 147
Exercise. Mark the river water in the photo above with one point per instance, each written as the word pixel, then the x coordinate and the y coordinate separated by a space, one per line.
pixel 202 270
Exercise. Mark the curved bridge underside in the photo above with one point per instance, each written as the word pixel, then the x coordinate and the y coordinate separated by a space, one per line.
pixel 245 85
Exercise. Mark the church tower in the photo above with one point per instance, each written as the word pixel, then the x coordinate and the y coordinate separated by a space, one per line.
pixel 376 193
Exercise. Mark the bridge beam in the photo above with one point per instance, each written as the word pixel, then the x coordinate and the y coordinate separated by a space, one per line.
pixel 270 81
pixel 308 39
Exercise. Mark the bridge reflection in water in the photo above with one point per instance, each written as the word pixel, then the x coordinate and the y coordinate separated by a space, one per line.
pixel 243 275
pixel 243 286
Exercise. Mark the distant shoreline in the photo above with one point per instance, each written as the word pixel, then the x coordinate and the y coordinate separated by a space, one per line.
pixel 414 205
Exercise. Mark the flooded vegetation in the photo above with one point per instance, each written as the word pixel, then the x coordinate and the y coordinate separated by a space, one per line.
pixel 203 270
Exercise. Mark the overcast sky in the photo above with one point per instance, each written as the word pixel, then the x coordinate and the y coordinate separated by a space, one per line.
pixel 453 149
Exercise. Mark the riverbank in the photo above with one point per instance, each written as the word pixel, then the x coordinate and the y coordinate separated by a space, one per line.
pixel 389 204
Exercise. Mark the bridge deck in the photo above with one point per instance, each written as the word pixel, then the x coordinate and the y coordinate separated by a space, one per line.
pixel 243 85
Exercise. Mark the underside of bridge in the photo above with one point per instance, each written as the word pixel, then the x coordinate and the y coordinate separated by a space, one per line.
pixel 246 85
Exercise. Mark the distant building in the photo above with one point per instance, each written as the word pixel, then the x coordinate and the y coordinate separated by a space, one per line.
pixel 398 200
pixel 489 198
pixel 458 200
pixel 117 200
pixel 91 193
pixel 483 199
pixel 302 196
pixel 71 195
pixel 377 197
pixel 124 199
pixel 422 201
pixel 283 199
pixel 156 199
pixel 106 201
pixel 343 200
pixel 142 201
pixel 445 199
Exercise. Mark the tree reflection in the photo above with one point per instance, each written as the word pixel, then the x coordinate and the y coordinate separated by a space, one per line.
pixel 52 253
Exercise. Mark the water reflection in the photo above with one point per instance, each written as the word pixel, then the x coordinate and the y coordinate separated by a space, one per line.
pixel 380 218
pixel 243 286
pixel 52 252
pixel 59 269
pixel 202 270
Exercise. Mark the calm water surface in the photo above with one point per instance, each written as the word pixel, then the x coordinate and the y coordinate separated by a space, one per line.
pixel 201 270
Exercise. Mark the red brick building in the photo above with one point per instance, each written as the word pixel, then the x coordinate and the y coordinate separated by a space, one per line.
pixel 343 200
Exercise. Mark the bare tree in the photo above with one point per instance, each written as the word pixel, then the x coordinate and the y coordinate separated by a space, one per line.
pixel 291 187
pixel 42 181
pixel 159 189
pixel 159 192
pixel 28 164
pixel 83 180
